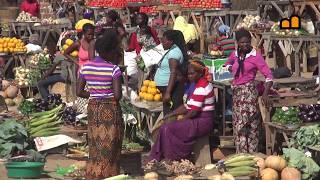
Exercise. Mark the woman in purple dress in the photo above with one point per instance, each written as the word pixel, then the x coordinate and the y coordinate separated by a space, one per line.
pixel 175 139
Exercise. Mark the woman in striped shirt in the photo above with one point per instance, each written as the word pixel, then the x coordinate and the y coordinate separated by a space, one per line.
pixel 105 126
pixel 175 139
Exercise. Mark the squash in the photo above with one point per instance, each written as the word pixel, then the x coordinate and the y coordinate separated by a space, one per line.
pixel 275 162
pixel 9 102
pixel 18 100
pixel 269 174
pixel 260 163
pixel 12 91
pixel 5 84
pixel 3 94
pixel 290 173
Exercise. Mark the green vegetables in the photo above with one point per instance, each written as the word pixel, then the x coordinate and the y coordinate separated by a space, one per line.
pixel 299 160
pixel 13 137
pixel 26 107
pixel 286 116
pixel 307 136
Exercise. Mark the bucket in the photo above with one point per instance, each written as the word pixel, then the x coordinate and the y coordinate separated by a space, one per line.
pixel 24 169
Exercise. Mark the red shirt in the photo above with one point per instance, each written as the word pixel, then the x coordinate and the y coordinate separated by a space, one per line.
pixel 30 7
pixel 202 98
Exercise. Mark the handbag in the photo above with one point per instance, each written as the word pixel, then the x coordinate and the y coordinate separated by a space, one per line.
pixel 154 68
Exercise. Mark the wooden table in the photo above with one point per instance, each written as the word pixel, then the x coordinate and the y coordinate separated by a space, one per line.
pixel 222 86
pixel 22 28
pixel 276 129
pixel 151 112
pixel 17 58
pixel 297 43
pixel 45 31
pixel 284 99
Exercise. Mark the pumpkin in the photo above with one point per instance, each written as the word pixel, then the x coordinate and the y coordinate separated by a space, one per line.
pixel 9 102
pixel 275 162
pixel 18 100
pixel 5 84
pixel 260 163
pixel 269 174
pixel 289 173
pixel 3 94
pixel 12 91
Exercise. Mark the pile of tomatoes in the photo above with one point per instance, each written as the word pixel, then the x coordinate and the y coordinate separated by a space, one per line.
pixel 149 9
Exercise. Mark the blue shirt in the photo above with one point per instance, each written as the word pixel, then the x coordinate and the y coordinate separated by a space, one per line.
pixel 162 75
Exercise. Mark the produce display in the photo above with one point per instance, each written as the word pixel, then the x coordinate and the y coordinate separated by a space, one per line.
pixel 66 45
pixel 301 162
pixel 131 146
pixel 239 165
pixel 286 116
pixel 255 23
pixel 149 91
pixel 79 150
pixel 175 167
pixel 149 9
pixel 47 123
pixel 309 113
pixel 52 101
pixel 202 4
pixel 224 176
pixel 10 93
pixel 107 3
pixel 26 17
pixel 41 60
pixel 276 29
pixel 12 45
pixel 12 138
pixel 307 136
pixel 26 107
pixel 69 115
pixel 27 76
pixel 73 171
pixel 172 1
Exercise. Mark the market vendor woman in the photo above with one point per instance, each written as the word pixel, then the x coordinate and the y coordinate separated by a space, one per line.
pixel 30 6
pixel 244 64
pixel 105 123
pixel 175 139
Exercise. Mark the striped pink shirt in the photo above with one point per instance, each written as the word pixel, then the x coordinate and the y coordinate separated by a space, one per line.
pixel 99 75
pixel 202 98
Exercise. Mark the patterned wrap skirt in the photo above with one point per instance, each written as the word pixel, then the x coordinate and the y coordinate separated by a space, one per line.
pixel 105 135
pixel 246 117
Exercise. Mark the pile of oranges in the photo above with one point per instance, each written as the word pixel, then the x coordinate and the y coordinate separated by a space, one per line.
pixel 11 45
pixel 149 91
pixel 67 44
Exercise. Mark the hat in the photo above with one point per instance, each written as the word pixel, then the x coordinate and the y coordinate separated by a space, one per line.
pixel 224 29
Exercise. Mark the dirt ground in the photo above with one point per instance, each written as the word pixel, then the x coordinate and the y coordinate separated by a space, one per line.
pixel 53 161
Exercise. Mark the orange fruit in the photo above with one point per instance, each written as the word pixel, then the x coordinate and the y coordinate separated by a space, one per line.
pixel 152 84
pixel 144 89
pixel 157 97
pixel 149 97
pixel 146 82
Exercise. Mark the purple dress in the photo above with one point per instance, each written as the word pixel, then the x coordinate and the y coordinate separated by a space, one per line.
pixel 175 139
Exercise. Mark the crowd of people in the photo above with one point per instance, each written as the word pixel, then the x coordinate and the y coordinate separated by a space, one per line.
pixel 99 80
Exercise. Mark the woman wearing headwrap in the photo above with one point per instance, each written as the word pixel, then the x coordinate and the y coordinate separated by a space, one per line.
pixel 244 64
pixel 175 139
pixel 224 42
pixel 144 36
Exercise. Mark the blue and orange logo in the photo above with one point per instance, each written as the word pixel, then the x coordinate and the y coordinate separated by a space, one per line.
pixel 293 22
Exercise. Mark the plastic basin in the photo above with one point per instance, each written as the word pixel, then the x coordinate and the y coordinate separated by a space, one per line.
pixel 24 169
